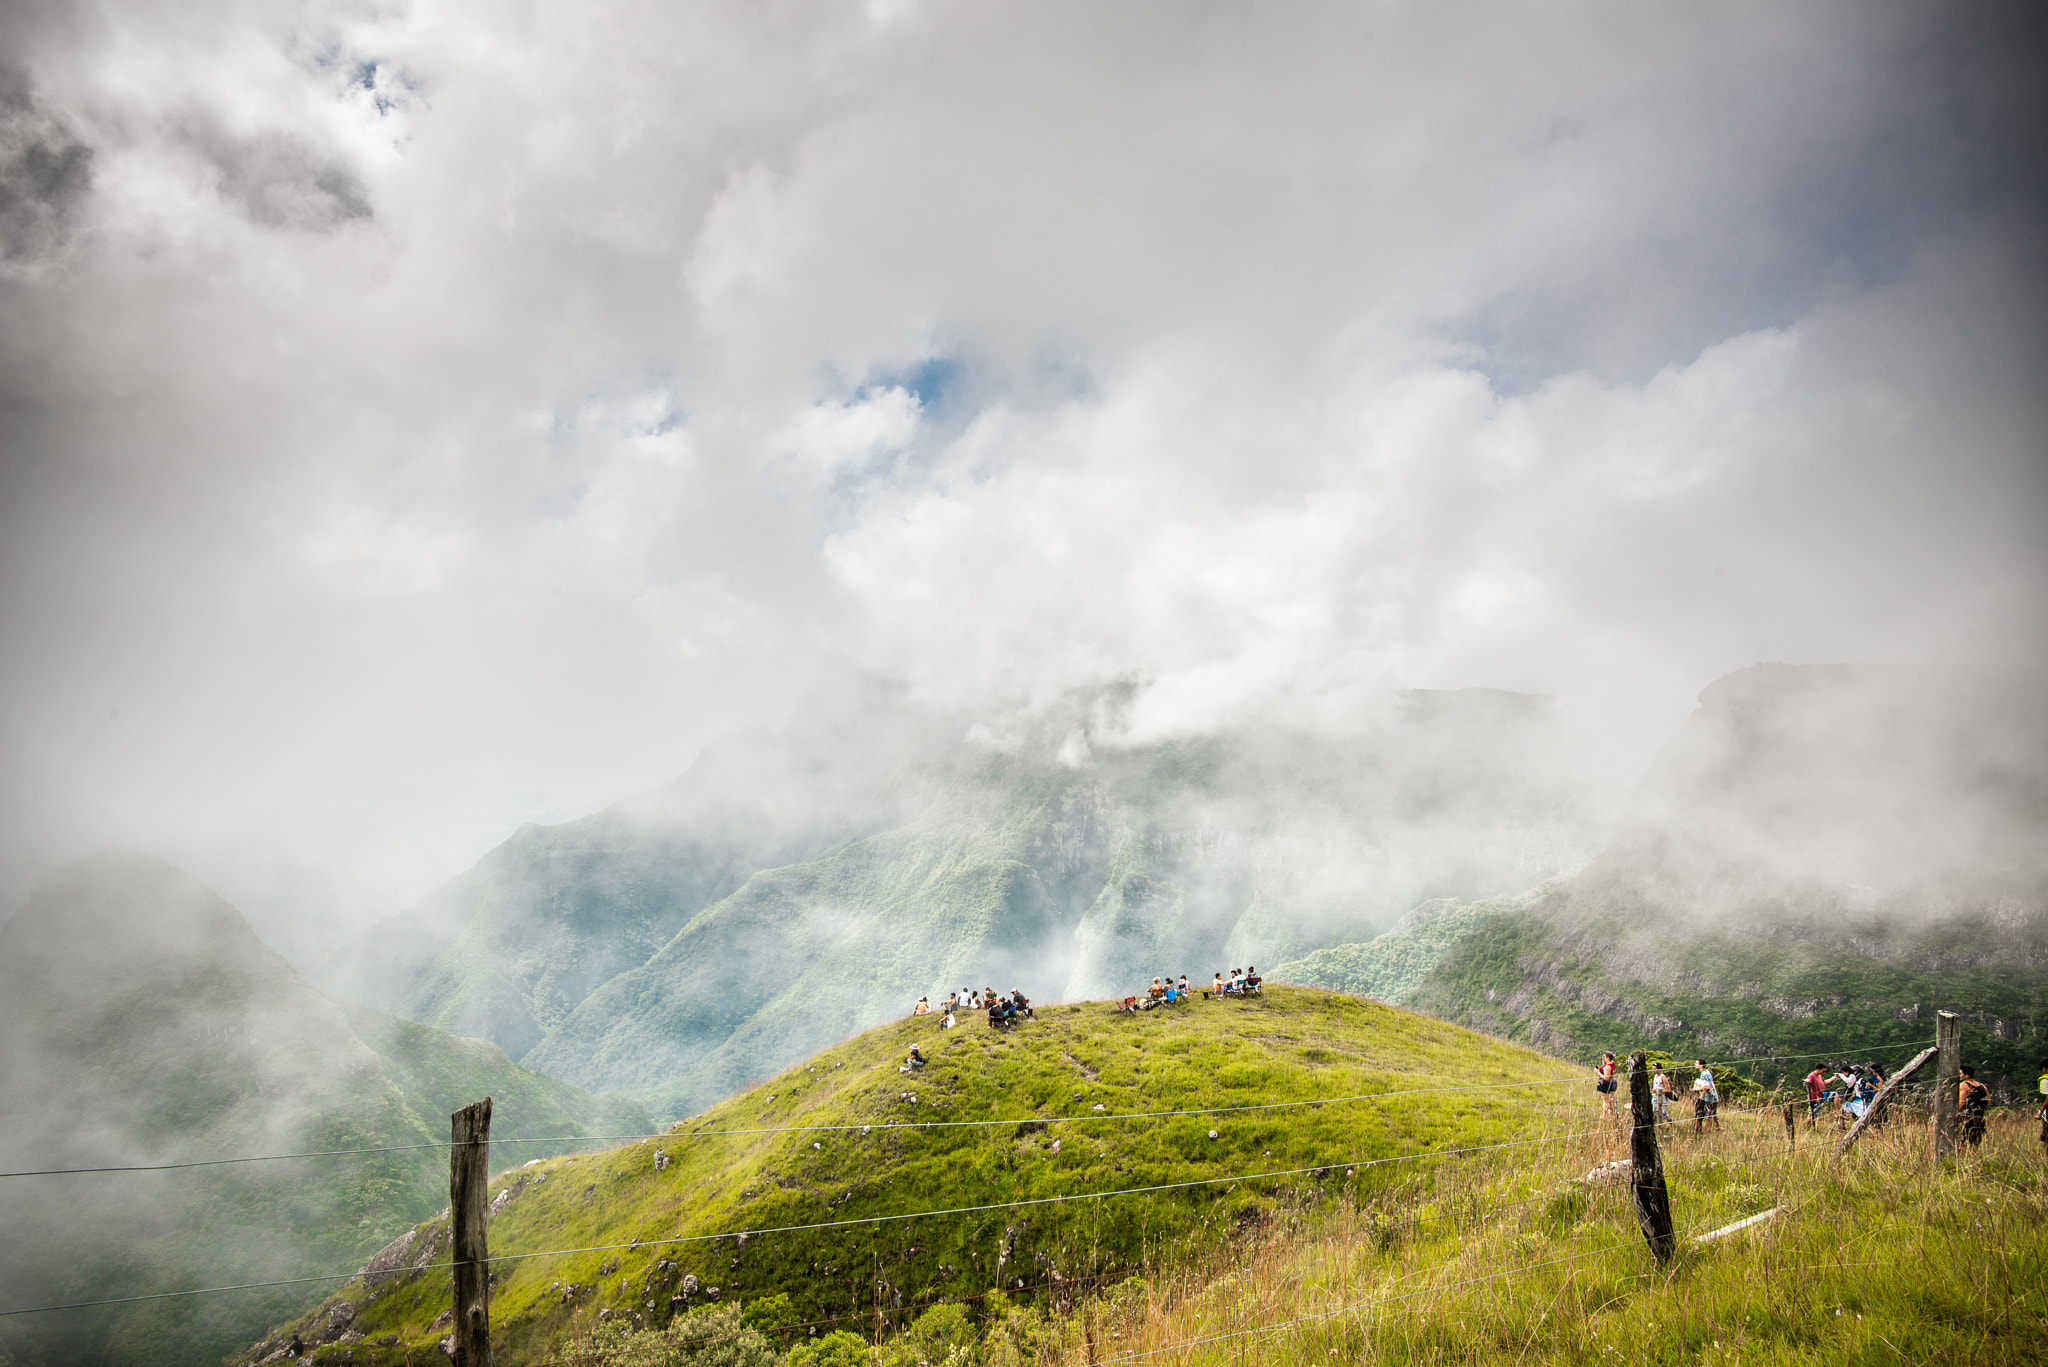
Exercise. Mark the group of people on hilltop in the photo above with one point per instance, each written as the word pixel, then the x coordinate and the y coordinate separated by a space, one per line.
pixel 1002 1010
pixel 1168 991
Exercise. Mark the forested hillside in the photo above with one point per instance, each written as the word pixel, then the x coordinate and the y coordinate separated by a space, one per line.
pixel 1818 862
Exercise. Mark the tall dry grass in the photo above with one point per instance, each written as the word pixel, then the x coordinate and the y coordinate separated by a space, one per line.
pixel 1515 1257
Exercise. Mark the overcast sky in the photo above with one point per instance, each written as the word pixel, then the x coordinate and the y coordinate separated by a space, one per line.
pixel 420 418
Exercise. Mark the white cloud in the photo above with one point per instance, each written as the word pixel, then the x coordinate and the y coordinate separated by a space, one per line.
pixel 1272 355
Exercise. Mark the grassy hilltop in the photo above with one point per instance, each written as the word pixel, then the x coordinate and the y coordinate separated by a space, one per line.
pixel 1504 1255
pixel 1291 1045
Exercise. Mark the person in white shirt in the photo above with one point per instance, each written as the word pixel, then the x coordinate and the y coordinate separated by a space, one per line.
pixel 1660 1096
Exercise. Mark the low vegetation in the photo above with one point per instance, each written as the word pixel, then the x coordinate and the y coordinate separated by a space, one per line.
pixel 1376 1239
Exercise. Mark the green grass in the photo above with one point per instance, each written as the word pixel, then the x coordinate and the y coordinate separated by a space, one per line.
pixel 1292 1045
pixel 1505 1256
pixel 1883 1258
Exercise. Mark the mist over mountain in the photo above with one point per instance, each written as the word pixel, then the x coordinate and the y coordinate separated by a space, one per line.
pixel 1820 859
pixel 798 884
pixel 142 1021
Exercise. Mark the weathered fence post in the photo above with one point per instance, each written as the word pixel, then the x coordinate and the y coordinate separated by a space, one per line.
pixel 1948 1045
pixel 1646 1165
pixel 1881 1100
pixel 1791 1124
pixel 469 1180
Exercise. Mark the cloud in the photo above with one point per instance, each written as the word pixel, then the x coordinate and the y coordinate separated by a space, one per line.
pixel 446 416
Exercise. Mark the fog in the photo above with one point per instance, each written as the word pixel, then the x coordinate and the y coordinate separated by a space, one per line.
pixel 419 420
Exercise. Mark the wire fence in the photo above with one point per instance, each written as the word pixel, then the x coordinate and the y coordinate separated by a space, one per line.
pixel 1066 1290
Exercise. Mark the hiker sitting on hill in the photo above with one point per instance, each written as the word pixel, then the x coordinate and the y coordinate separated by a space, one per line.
pixel 951 1003
pixel 1216 987
pixel 998 1013
pixel 1252 979
pixel 1156 991
pixel 1021 1004
pixel 914 1062
pixel 923 1007
pixel 1184 984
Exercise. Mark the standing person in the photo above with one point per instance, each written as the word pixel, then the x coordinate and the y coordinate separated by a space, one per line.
pixel 1606 1086
pixel 2041 1087
pixel 1816 1093
pixel 1660 1096
pixel 1973 1099
pixel 1706 1098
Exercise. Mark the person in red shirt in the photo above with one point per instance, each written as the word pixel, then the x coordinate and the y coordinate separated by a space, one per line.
pixel 1816 1093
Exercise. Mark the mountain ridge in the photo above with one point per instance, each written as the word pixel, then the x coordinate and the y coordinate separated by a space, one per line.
pixel 932 853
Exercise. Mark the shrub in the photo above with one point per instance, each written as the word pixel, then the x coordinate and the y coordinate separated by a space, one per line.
pixel 713 1336
pixel 836 1349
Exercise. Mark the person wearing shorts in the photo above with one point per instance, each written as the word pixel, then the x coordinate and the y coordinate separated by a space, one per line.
pixel 1606 1086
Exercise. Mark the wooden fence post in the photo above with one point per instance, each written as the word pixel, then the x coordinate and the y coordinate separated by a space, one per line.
pixel 1881 1100
pixel 1948 1044
pixel 469 1180
pixel 1646 1165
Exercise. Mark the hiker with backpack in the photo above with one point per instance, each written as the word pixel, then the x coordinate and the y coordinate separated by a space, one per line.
pixel 1973 1102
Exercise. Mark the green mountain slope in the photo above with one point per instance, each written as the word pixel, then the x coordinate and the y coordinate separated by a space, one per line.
pixel 1049 1077
pixel 1389 967
pixel 141 1021
pixel 1821 859
pixel 794 886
